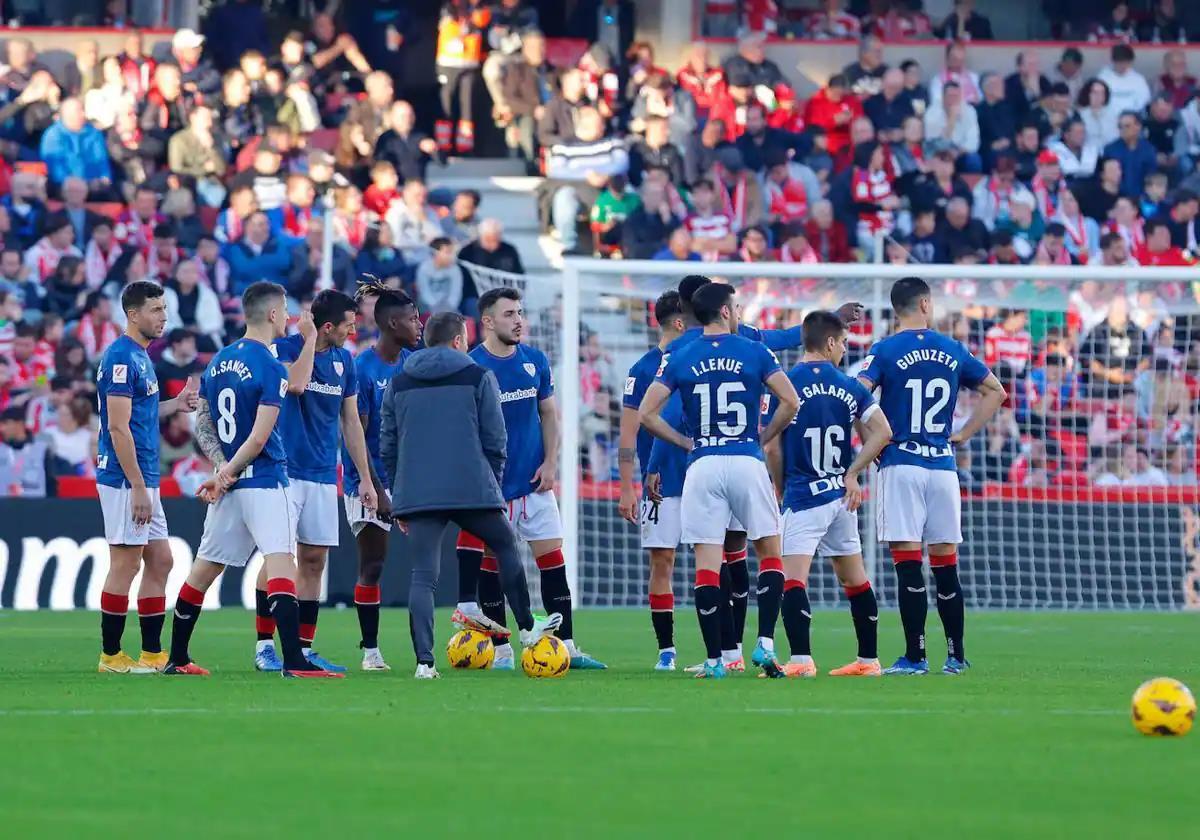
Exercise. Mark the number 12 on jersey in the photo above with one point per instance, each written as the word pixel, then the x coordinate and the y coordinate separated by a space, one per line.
pixel 927 404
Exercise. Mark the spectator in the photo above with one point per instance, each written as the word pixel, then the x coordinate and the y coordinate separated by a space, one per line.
pixel 414 223
pixel 1113 353
pixel 1175 81
pixel 1118 27
pixel 658 97
pixel 384 190
pixel 257 256
pixel 1025 222
pixel 557 123
pixel 83 220
pixel 1082 235
pixel 964 24
pixel 526 89
pixel 96 330
pixel 992 196
pixel 1180 466
pixel 751 62
pixel 167 108
pixel 23 459
pixel 1181 219
pixel 739 192
pixel 827 235
pixel 578 171
pixel 904 21
pixel 713 232
pixel 612 207
pixel 960 231
pixel 26 209
pixel 1133 469
pixel 655 149
pixel 333 55
pixel 511 23
pixel 956 71
pixel 72 440
pixel 890 107
pixel 908 156
pixel 1077 156
pixel 461 225
pixel 1069 71
pixel 103 102
pixel 1027 85
pixel 378 255
pixel 266 179
pixel 135 155
pixel 871 191
pixel 305 278
pixel 703 81
pixel 193 306
pixel 997 123
pixel 196 153
pixel 678 247
pixel 1137 157
pixel 1165 132
pixel 865 76
pixel 73 147
pixel 407 149
pixel 22 288
pixel 199 78
pixel 1162 26
pixel 833 108
pixel 1158 250
pixel 44 256
pixel 952 123
pixel 241 119
pixel 830 22
pixel 1098 195
pixel 439 282
pixel 1129 89
pixel 459 57
pixel 1053 111
pixel 163 254
pixel 789 189
pixel 350 218
pixel 1163 404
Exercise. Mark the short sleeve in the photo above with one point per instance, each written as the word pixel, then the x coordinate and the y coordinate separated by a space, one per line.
pixel 274 385
pixel 349 377
pixel 545 380
pixel 973 371
pixel 863 398
pixel 635 388
pixel 666 373
pixel 872 369
pixel 287 349
pixel 121 375
pixel 768 361
pixel 366 396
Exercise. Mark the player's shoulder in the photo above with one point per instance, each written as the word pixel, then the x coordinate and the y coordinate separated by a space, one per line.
pixel 529 353
pixel 749 332
pixel 287 347
pixel 646 364
pixel 119 351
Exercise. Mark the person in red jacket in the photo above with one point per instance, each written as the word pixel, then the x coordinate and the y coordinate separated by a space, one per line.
pixel 730 106
pixel 834 108
pixel 827 235
pixel 1158 250
pixel 702 79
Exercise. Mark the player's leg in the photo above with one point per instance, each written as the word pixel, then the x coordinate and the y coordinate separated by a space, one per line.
pixel 425 534
pixel 491 603
pixel 468 614
pixel 943 535
pixel 901 524
pixel 864 611
pixel 753 503
pixel 735 578
pixel 705 513
pixel 152 602
pixel 316 532
pixel 265 657
pixel 797 615
pixel 188 606
pixel 372 543
pixel 660 534
pixel 123 564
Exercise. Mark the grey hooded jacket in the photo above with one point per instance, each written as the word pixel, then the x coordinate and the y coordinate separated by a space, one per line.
pixel 442 440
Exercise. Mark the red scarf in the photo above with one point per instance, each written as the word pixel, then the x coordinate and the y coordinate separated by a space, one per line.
pixel 1077 230
pixel 788 200
pixel 1134 236
pixel 734 206
pixel 297 220
pixel 1047 200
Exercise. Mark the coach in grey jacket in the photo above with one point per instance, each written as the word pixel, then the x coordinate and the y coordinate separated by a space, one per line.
pixel 442 444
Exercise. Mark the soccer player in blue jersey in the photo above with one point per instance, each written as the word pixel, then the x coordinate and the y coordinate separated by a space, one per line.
pixel 531 420
pixel 399 335
pixel 321 409
pixel 918 373
pixel 721 378
pixel 127 481
pixel 243 388
pixel 817 476
pixel 658 517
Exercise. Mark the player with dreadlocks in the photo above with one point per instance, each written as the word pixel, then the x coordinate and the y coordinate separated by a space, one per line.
pixel 399 335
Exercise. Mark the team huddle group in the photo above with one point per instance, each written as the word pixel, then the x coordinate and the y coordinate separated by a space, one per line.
pixel 724 437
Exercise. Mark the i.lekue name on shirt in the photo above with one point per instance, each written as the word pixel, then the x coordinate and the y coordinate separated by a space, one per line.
pixel 522 394
pixel 718 364
pixel 939 356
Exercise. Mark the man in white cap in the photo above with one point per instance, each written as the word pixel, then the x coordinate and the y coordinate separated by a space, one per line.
pixel 199 77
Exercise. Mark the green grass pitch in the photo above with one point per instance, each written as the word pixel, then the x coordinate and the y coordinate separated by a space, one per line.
pixel 1034 742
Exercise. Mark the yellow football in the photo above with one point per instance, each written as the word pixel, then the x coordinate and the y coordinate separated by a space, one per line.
pixel 547 658
pixel 1163 706
pixel 470 649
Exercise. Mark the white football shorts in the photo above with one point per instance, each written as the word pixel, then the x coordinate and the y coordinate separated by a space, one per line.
pixel 116 503
pixel 314 512
pixel 247 520
pixel 829 530
pixel 535 517
pixel 661 527
pixel 919 505
pixel 720 488
pixel 358 517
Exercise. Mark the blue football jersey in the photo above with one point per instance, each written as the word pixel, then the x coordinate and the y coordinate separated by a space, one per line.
pixel 788 339
pixel 373 375
pixel 236 382
pixel 125 370
pixel 525 380
pixel 720 380
pixel 918 374
pixel 816 446
pixel 640 376
pixel 312 427
pixel 667 459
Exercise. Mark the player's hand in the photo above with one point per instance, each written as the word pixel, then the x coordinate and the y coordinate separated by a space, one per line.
pixel 654 487
pixel 957 438
pixel 189 398
pixel 366 495
pixel 854 493
pixel 401 525
pixel 306 326
pixel 627 506
pixel 139 504
pixel 543 479
pixel 383 506
pixel 210 491
pixel 851 313
pixel 225 477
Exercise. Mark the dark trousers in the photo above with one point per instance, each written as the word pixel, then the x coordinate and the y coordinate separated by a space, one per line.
pixel 426 530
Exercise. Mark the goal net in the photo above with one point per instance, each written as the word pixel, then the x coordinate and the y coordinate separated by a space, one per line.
pixel 1080 494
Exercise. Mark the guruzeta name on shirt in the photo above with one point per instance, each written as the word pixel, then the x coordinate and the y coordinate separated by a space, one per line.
pixel 914 356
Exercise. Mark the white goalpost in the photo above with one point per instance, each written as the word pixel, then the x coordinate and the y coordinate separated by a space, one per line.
pixel 1054 514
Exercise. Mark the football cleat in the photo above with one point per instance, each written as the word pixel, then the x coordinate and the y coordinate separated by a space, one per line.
pixel 903 666
pixel 737 666
pixel 802 670
pixel 666 661
pixel 766 660
pixel 266 659
pixel 121 663
pixel 188 669
pixel 503 663
pixel 427 672
pixel 543 625
pixel 373 660
pixel 318 661
pixel 581 661
pixel 858 669
pixel 154 661
pixel 711 672
pixel 306 675
pixel 475 620
pixel 955 667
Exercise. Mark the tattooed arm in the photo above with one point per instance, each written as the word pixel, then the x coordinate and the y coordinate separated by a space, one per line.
pixel 206 436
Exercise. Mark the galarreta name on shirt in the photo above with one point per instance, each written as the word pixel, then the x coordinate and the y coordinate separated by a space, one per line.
pixel 722 364
pixel 925 355
pixel 234 366
pixel 820 389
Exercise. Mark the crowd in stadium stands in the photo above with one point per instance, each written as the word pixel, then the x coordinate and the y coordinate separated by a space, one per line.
pixel 201 168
